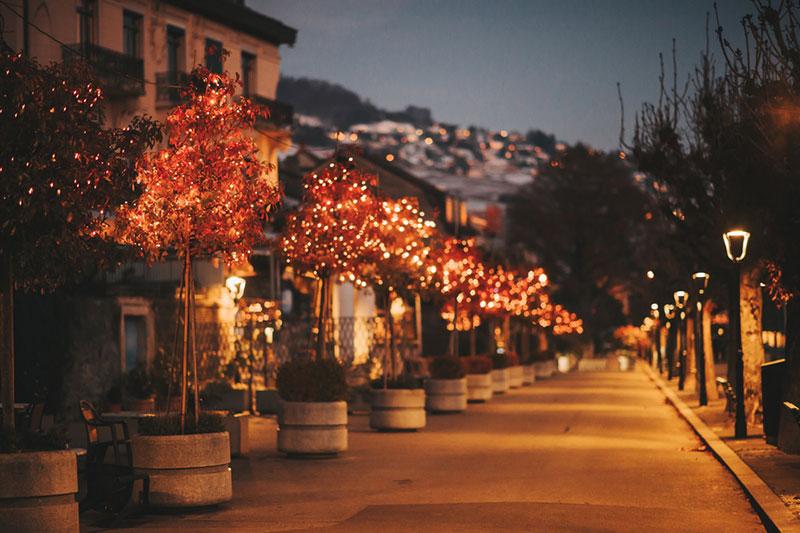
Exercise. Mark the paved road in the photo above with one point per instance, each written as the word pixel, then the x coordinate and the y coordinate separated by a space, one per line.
pixel 588 452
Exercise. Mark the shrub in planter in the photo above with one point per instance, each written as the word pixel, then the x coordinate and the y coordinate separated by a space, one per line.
pixel 186 470
pixel 219 394
pixel 477 364
pixel 398 405
pixel 479 378
pixel 139 390
pixel 446 391
pixel 46 471
pixel 312 419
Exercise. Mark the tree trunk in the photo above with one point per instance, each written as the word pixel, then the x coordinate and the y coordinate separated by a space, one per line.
pixel 473 341
pixel 322 316
pixel 788 432
pixel 672 344
pixel 543 345
pixel 390 322
pixel 751 305
pixel 192 328
pixel 187 262
pixel 708 347
pixel 7 368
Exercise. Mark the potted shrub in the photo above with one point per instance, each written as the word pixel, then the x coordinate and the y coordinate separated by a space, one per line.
pixel 312 418
pixel 397 404
pixel 515 372
pixel 446 390
pixel 139 392
pixel 479 377
pixel 35 468
pixel 501 376
pixel 186 469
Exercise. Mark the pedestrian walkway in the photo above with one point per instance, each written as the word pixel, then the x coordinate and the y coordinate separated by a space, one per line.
pixel 597 451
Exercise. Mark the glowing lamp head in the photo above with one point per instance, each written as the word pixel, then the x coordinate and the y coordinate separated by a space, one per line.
pixel 680 298
pixel 235 286
pixel 669 311
pixel 700 280
pixel 736 242
pixel 650 274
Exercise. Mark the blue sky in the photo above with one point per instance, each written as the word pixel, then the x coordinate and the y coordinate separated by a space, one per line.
pixel 508 64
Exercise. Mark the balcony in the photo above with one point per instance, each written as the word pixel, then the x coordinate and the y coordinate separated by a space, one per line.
pixel 118 74
pixel 281 115
pixel 168 88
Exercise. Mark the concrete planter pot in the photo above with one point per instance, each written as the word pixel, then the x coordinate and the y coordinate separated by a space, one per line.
pixel 515 376
pixel 528 374
pixel 312 428
pixel 185 470
pixel 446 395
pixel 37 491
pixel 545 369
pixel 397 409
pixel 479 387
pixel 238 426
pixel 500 380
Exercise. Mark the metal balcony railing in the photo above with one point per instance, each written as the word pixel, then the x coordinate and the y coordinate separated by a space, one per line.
pixel 168 87
pixel 281 115
pixel 118 74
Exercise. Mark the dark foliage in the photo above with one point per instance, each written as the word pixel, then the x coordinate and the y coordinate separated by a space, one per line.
pixel 477 364
pixel 403 381
pixel 311 380
pixel 446 367
pixel 504 360
pixel 171 424
pixel 32 441
pixel 138 384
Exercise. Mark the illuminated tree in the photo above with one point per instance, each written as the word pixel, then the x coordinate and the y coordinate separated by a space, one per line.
pixel 61 173
pixel 333 229
pixel 205 194
pixel 402 264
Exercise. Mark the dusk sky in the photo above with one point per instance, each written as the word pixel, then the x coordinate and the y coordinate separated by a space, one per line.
pixel 500 64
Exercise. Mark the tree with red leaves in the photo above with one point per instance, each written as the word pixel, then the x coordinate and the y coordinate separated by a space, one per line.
pixel 332 231
pixel 61 174
pixel 206 194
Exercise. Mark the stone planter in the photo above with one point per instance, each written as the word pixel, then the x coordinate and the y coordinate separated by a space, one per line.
pixel 528 374
pixel 397 409
pixel 500 380
pixel 185 470
pixel 479 387
pixel 515 376
pixel 446 395
pixel 545 369
pixel 37 491
pixel 312 428
pixel 238 426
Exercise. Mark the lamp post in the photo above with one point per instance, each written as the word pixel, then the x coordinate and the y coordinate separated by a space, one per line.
pixel 656 335
pixel 736 242
pixel 700 281
pixel 680 302
pixel 669 314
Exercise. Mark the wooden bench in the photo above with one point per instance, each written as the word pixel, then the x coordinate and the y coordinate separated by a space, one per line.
pixel 730 394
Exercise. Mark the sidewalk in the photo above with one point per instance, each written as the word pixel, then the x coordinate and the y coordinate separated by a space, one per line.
pixel 780 471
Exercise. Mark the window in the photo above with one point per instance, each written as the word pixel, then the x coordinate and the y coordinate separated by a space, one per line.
pixel 135 341
pixel 176 49
pixel 214 55
pixel 248 74
pixel 132 33
pixel 87 20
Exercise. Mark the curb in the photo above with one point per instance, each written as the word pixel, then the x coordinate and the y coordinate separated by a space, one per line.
pixel 773 512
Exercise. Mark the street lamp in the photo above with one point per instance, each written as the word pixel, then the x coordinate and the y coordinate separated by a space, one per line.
pixel 235 286
pixel 669 314
pixel 700 281
pixel 680 302
pixel 736 248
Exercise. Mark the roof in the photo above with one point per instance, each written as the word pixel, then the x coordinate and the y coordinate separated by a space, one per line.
pixel 236 15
